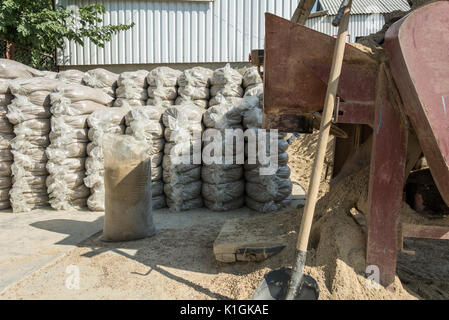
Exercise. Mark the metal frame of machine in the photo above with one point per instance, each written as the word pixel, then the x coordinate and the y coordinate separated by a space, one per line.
pixel 372 98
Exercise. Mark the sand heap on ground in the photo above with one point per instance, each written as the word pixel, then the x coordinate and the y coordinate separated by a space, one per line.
pixel 337 248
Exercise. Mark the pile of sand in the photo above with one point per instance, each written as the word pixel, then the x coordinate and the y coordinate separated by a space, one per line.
pixel 301 157
pixel 336 257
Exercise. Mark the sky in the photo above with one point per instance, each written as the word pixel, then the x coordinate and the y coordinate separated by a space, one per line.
pixel 314 7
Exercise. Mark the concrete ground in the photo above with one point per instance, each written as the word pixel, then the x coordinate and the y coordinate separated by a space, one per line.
pixel 44 252
pixel 29 241
pixel 166 266
pixel 43 249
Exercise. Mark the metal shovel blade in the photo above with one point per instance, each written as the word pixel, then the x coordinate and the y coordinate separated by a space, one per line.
pixel 275 286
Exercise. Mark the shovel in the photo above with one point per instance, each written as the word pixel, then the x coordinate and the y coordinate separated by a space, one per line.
pixel 293 284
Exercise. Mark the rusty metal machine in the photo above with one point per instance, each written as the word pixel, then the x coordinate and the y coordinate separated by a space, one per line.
pixel 397 100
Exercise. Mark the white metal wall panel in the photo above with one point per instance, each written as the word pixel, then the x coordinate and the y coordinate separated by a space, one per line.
pixel 178 31
pixel 367 6
pixel 192 31
pixel 359 25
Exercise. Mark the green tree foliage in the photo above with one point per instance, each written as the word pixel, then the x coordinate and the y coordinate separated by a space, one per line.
pixel 38 25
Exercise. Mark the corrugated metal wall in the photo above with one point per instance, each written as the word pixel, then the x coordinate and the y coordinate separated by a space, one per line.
pixel 188 31
pixel 367 6
pixel 359 25
pixel 179 32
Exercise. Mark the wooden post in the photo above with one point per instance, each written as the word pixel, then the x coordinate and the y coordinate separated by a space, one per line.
pixel 10 50
pixel 302 12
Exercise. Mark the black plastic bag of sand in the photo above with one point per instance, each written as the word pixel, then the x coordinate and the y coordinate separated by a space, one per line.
pixel 127 182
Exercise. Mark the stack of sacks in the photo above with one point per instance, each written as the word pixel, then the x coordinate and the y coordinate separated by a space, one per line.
pixel 182 157
pixel 194 87
pixel 70 106
pixel 163 90
pixel 6 135
pixel 9 70
pixel 132 89
pixel 71 76
pixel 145 124
pixel 223 184
pixel 226 82
pixel 29 112
pixel 50 74
pixel 252 82
pixel 102 121
pixel 101 79
pixel 272 192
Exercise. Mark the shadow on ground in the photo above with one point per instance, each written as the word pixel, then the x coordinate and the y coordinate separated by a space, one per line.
pixel 181 246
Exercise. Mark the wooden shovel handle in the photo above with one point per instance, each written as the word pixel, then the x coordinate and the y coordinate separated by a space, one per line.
pixel 325 126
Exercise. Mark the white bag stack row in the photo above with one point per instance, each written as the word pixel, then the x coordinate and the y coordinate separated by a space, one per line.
pixel 29 112
pixel 10 70
pixel 71 76
pixel 266 191
pixel 145 124
pixel 100 122
pixel 101 79
pixel 194 87
pixel 163 86
pixel 132 89
pixel 70 107
pixel 52 127
pixel 252 82
pixel 6 135
pixel 182 157
pixel 223 184
pixel 226 82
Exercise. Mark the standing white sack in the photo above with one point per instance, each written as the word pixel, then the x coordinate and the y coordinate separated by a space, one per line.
pixel 127 177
